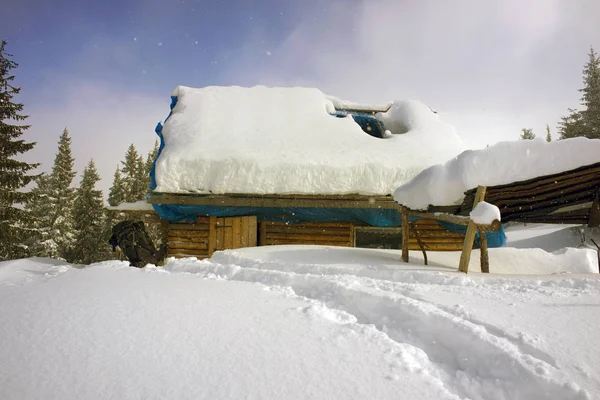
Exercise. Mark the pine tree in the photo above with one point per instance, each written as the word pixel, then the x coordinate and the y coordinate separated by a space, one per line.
pixel 585 122
pixel 41 241
pixel 548 135
pixel 117 192
pixel 14 174
pixel 135 189
pixel 88 215
pixel 527 134
pixel 63 195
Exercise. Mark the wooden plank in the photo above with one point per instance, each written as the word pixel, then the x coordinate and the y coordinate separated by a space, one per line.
pixel 405 234
pixel 594 219
pixel 483 252
pixel 542 180
pixel 312 231
pixel 455 219
pixel 553 193
pixel 302 242
pixel 272 202
pixel 336 238
pixel 311 224
pixel 188 234
pixel 244 232
pixel 236 233
pixel 252 231
pixel 262 241
pixel 212 236
pixel 188 227
pixel 465 256
pixel 187 245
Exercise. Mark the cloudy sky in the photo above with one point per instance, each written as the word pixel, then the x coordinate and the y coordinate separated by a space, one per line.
pixel 105 69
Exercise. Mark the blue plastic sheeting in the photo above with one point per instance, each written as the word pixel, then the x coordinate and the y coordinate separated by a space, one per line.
pixel 494 239
pixel 367 122
pixel 373 217
pixel 158 131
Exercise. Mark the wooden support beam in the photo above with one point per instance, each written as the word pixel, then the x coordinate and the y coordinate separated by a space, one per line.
pixel 455 219
pixel 405 234
pixel 595 212
pixel 374 202
pixel 484 256
pixel 465 256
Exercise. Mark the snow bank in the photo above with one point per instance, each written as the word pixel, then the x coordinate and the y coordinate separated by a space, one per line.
pixel 485 213
pixel 502 163
pixel 283 140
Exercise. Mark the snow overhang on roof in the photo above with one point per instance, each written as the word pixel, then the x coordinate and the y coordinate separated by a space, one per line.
pixel 263 140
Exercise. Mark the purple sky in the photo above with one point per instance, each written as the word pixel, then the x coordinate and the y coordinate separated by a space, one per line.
pixel 105 69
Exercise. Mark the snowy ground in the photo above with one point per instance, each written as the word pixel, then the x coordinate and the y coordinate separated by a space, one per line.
pixel 299 322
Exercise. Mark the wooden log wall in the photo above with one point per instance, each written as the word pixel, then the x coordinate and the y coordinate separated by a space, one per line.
pixel 189 239
pixel 542 199
pixel 435 237
pixel 325 233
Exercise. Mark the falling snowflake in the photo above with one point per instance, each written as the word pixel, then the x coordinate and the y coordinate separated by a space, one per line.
pixel 268 53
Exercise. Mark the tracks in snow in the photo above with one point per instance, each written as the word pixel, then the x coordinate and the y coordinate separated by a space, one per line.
pixel 471 359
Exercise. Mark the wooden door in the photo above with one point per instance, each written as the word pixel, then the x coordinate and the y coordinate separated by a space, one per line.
pixel 232 233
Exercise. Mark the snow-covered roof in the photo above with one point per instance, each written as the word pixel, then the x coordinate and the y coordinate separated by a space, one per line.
pixel 263 140
pixel 500 164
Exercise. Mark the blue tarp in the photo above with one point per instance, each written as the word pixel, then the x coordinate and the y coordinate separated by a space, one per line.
pixel 374 217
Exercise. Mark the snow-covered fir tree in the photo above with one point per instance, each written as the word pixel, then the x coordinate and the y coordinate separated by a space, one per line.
pixel 52 204
pixel 116 194
pixel 40 205
pixel 585 122
pixel 15 175
pixel 548 135
pixel 88 212
pixel 527 134
pixel 63 195
pixel 134 185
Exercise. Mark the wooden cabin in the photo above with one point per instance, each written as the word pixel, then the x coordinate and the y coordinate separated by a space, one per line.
pixel 241 167
pixel 206 234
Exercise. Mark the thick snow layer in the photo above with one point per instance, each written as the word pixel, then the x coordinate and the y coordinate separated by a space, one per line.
pixel 283 140
pixel 289 322
pixel 502 163
pixel 485 213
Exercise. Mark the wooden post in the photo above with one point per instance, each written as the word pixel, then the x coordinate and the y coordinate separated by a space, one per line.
pixel 405 234
pixel 484 257
pixel 465 256
pixel 595 212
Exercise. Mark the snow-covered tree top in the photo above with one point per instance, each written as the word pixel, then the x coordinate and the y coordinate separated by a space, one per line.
pixel 500 164
pixel 263 140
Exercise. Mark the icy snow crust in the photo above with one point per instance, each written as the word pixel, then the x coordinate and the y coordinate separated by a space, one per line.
pixel 283 140
pixel 502 163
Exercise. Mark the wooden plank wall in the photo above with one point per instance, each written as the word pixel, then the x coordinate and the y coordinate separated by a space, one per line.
pixel 189 239
pixel 209 234
pixel 434 236
pixel 317 233
pixel 543 199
